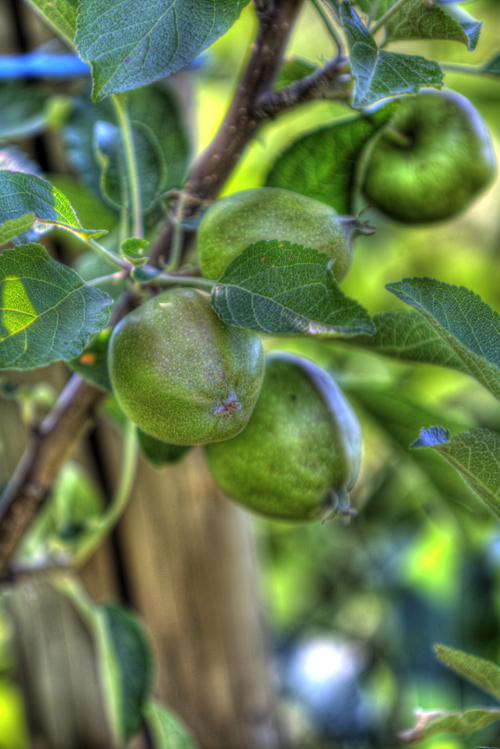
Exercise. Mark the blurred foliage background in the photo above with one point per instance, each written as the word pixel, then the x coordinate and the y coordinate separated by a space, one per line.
pixel 354 611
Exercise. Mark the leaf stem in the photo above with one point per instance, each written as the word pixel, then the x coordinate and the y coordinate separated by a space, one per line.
pixel 382 21
pixel 111 516
pixel 167 279
pixel 131 163
pixel 110 256
pixel 458 68
pixel 329 26
pixel 113 277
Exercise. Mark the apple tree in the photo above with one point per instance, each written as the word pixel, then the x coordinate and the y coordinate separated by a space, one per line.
pixel 164 320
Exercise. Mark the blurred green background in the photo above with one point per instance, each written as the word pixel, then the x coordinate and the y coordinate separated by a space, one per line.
pixel 354 610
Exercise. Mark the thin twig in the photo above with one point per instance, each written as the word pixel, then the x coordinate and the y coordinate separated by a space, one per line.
pixel 328 82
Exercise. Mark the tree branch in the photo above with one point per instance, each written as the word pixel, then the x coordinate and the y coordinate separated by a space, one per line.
pixel 42 460
pixel 328 82
pixel 214 166
pixel 46 452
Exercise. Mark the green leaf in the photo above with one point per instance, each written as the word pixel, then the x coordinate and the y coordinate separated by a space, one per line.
pixel 24 110
pixel 110 153
pixel 476 457
pixel 484 674
pixel 285 289
pixel 26 193
pixel 135 667
pixel 416 20
pixel 47 312
pixel 93 361
pixel 324 164
pixel 59 14
pixel 407 336
pixel 158 453
pixel 464 322
pixel 431 722
pixel 157 109
pixel 125 660
pixel 379 74
pixel 167 730
pixel 133 250
pixel 74 502
pixel 293 70
pixel 129 48
pixel 398 414
pixel 15 226
pixel 492 66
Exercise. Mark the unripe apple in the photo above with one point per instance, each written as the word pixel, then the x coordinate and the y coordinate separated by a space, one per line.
pixel 180 373
pixel 434 160
pixel 300 453
pixel 232 224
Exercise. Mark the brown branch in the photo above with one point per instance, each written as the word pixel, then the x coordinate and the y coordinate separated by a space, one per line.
pixel 49 448
pixel 242 119
pixel 42 460
pixel 329 82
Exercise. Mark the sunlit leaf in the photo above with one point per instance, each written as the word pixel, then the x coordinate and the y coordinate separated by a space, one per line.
pixel 47 312
pixel 24 194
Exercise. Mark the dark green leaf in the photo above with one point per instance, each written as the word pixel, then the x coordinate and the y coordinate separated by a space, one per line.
pixel 111 156
pixel 47 312
pixel 167 730
pixel 465 323
pixel 431 722
pixel 379 74
pixel 23 194
pixel 156 108
pixel 484 674
pixel 24 110
pixel 285 289
pixel 159 453
pixel 93 361
pixel 129 47
pixel 293 70
pixel 59 14
pixel 417 20
pixel 407 336
pixel 476 457
pixel 135 666
pixel 324 164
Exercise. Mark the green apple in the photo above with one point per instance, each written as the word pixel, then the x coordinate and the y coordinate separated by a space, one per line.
pixel 243 218
pixel 300 453
pixel 434 160
pixel 180 373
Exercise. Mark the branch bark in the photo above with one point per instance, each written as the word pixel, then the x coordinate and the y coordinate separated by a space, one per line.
pixel 243 116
